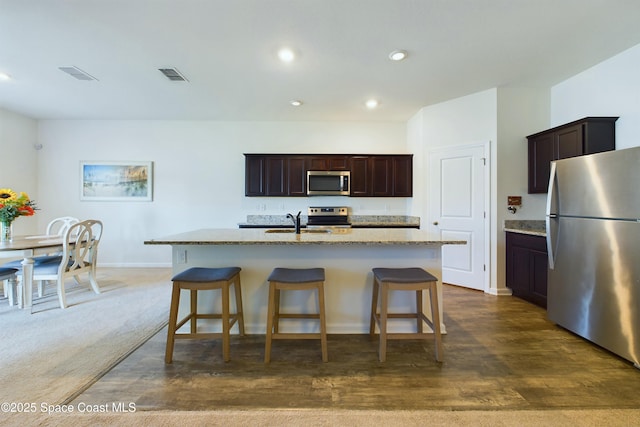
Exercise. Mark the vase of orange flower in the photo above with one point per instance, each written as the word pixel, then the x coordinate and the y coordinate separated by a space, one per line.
pixel 13 205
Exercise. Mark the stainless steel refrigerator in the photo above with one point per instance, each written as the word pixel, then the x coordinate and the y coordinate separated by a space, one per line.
pixel 593 240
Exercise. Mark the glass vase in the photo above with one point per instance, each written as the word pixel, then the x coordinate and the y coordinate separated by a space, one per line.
pixel 5 231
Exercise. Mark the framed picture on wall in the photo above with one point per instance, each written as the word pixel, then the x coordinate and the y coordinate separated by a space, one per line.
pixel 116 181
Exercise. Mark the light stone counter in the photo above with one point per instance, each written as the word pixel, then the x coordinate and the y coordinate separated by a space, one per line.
pixel 357 221
pixel 532 227
pixel 339 236
pixel 347 255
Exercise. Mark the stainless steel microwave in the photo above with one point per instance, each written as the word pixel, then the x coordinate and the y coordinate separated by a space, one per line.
pixel 328 183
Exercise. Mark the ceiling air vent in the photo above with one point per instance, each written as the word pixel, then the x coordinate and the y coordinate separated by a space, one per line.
pixel 173 74
pixel 77 73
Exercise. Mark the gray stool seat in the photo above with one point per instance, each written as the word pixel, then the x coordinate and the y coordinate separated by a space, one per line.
pixel 404 279
pixel 404 275
pixel 200 279
pixel 296 275
pixel 297 279
pixel 202 274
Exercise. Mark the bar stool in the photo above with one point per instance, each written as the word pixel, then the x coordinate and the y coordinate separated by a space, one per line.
pixel 289 279
pixel 201 279
pixel 404 279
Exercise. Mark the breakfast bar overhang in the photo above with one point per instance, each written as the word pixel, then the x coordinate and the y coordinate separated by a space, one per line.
pixel 348 256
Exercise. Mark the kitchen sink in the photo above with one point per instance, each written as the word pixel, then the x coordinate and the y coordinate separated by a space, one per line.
pixel 289 230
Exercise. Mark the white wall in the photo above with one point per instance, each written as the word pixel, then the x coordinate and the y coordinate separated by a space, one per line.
pixel 198 174
pixel 461 121
pixel 18 168
pixel 611 88
pixel 503 116
pixel 521 112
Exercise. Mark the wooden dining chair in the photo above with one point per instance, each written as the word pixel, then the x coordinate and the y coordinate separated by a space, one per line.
pixel 58 226
pixel 7 276
pixel 79 256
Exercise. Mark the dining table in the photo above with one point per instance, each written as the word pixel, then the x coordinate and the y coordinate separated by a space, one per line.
pixel 27 247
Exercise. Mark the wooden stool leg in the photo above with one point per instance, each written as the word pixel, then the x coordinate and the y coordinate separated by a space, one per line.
pixel 384 306
pixel 374 306
pixel 419 310
pixel 239 310
pixel 173 320
pixel 323 325
pixel 270 315
pixel 276 309
pixel 225 323
pixel 435 316
pixel 194 311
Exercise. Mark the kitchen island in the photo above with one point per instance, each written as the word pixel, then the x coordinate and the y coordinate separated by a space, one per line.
pixel 348 255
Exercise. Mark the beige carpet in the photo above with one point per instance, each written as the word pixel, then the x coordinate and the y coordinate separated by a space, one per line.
pixel 330 418
pixel 51 354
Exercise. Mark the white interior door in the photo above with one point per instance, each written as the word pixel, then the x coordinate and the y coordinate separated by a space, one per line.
pixel 458 208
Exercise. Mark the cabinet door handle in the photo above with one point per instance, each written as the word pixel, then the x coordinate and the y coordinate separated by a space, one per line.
pixel 435 222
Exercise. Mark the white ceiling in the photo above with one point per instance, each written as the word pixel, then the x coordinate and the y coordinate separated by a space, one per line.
pixel 227 51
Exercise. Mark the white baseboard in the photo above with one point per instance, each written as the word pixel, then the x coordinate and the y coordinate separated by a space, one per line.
pixel 135 265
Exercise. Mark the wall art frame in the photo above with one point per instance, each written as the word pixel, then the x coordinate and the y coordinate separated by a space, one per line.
pixel 116 181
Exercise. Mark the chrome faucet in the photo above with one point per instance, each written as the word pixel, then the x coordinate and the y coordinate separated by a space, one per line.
pixel 296 221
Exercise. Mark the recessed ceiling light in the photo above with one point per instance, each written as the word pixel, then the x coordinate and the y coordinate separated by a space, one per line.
pixel 296 102
pixel 5 76
pixel 372 103
pixel 398 55
pixel 286 54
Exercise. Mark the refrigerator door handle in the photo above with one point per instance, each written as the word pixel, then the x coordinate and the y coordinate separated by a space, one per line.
pixel 551 228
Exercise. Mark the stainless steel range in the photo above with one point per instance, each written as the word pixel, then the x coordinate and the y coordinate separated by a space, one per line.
pixel 328 216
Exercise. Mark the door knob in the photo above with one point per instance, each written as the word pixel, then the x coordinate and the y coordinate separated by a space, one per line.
pixel 435 222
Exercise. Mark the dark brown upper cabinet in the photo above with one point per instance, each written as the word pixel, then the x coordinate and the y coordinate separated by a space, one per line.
pixel 328 163
pixel 371 175
pixel 254 176
pixel 402 176
pixel 297 178
pixel 586 136
pixel 277 176
pixel 382 176
pixel 360 176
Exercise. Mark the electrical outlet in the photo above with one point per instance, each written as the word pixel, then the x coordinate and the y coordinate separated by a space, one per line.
pixel 182 256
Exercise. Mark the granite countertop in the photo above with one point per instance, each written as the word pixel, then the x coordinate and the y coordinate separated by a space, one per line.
pixel 357 221
pixel 384 221
pixel 532 227
pixel 347 236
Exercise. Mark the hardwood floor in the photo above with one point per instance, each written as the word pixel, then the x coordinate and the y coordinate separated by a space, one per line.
pixel 499 353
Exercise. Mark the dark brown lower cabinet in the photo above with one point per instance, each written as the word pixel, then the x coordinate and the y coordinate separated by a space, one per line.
pixel 527 266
